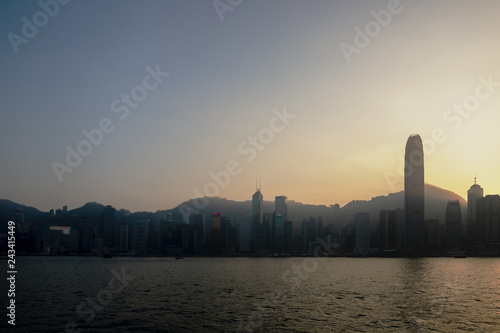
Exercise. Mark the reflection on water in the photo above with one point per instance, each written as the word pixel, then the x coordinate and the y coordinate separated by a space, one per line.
pixel 227 294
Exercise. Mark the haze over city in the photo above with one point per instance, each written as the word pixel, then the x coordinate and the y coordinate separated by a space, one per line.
pixel 250 166
pixel 229 75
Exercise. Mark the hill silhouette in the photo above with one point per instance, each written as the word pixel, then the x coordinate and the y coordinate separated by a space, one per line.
pixel 31 214
pixel 436 199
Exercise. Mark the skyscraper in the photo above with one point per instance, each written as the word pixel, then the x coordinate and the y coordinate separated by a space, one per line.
pixel 140 236
pixel 362 232
pixel 216 234
pixel 473 194
pixel 453 221
pixel 257 210
pixel 281 206
pixel 244 238
pixel 488 223
pixel 279 233
pixel 414 195
pixel 108 228
pixel 389 223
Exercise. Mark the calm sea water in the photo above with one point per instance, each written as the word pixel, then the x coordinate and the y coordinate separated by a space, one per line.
pixel 256 294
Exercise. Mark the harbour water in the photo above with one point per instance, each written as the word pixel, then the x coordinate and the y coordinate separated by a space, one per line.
pixel 91 294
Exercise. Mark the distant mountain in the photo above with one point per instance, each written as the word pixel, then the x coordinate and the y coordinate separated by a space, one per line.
pixel 30 214
pixel 92 210
pixel 436 199
pixel 435 205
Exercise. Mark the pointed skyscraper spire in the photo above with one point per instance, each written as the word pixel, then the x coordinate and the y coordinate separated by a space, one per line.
pixel 414 195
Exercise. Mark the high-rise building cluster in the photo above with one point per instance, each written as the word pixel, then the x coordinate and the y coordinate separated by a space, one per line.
pixel 403 231
pixel 408 232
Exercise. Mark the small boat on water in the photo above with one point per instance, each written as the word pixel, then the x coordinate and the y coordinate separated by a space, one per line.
pixel 107 255
pixel 179 258
pixel 457 254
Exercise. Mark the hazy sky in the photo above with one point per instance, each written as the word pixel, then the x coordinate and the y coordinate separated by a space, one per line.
pixel 353 114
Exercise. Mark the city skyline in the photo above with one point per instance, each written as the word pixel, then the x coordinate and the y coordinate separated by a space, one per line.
pixel 98 229
pixel 250 165
pixel 200 204
pixel 203 93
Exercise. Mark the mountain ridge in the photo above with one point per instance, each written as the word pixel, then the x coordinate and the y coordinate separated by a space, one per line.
pixel 436 199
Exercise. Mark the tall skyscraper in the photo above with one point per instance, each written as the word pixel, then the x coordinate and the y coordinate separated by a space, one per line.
pixel 216 234
pixel 288 236
pixel 362 232
pixel 453 222
pixel 279 233
pixel 432 235
pixel 281 206
pixel 488 223
pixel 108 228
pixel 140 236
pixel 123 238
pixel 309 233
pixel 244 236
pixel 257 210
pixel 414 195
pixel 389 223
pixel 473 194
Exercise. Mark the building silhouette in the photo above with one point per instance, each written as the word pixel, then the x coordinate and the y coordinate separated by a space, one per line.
pixel 309 233
pixel 107 227
pixel 244 236
pixel 453 224
pixel 124 238
pixel 281 206
pixel 414 195
pixel 473 194
pixel 362 232
pixel 278 233
pixel 257 210
pixel 432 235
pixel 216 234
pixel 488 223
pixel 391 230
pixel 288 236
pixel 140 236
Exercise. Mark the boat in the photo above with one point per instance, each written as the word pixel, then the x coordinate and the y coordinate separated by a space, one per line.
pixel 457 254
pixel 107 255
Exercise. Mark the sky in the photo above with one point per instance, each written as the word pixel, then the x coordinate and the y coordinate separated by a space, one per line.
pixel 316 99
